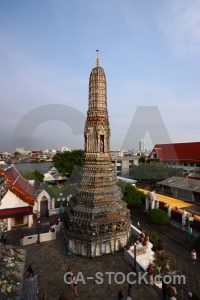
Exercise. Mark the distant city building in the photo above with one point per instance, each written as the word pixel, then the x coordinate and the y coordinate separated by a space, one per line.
pixel 123 164
pixel 141 145
pixel 180 155
pixel 38 156
pixel 22 151
pixel 65 149
pixel 117 153
pixel 123 160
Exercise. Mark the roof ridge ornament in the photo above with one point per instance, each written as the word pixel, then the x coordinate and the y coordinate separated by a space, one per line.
pixel 97 60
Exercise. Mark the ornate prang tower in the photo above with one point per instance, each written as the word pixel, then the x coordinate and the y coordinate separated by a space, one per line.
pixel 97 221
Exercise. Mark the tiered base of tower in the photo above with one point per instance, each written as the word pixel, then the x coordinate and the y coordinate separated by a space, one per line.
pixel 93 246
pixel 97 220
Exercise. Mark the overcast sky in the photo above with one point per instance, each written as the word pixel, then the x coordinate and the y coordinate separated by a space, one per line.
pixel 149 50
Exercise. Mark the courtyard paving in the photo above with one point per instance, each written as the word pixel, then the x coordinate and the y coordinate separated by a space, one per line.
pixel 49 261
pixel 177 246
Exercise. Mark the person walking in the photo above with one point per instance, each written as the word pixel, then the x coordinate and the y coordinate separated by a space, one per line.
pixel 74 290
pixel 121 293
pixel 171 293
pixel 69 277
pixel 30 271
pixel 129 292
pixel 3 237
pixel 193 256
pixel 164 290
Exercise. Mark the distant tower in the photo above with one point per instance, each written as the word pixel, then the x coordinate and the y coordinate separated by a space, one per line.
pixel 141 145
pixel 97 221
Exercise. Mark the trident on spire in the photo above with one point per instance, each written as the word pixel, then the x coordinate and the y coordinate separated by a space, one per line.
pixel 97 61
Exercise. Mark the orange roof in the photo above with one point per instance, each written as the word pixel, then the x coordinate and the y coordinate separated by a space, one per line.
pixel 185 152
pixel 19 185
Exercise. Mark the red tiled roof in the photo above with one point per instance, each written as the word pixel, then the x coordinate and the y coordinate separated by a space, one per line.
pixel 185 152
pixel 19 185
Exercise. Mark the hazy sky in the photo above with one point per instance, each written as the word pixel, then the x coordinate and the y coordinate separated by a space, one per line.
pixel 149 49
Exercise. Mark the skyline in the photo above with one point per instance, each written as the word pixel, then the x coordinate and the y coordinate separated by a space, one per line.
pixel 150 52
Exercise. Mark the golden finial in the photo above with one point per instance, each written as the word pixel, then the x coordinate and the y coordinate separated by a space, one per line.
pixel 97 61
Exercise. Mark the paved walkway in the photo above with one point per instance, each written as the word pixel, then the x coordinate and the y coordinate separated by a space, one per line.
pixel 50 262
pixel 176 244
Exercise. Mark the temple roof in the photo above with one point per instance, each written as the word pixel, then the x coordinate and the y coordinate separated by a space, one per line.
pixel 19 185
pixel 187 152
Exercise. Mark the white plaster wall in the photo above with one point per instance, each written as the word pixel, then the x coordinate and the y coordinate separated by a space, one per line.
pixel 10 200
pixel 43 193
pixel 32 239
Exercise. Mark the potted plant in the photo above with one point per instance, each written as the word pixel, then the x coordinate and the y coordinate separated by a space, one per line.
pixel 144 243
pixel 159 247
pixel 150 271
pixel 153 236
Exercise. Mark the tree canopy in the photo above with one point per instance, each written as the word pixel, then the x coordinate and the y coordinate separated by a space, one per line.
pixel 16 153
pixel 130 194
pixel 142 159
pixel 33 175
pixel 158 216
pixel 153 172
pixel 67 161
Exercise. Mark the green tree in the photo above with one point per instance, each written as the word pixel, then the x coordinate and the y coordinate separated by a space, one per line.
pixel 66 162
pixel 158 216
pixel 33 175
pixel 122 184
pixel 142 159
pixel 16 153
pixel 153 172
pixel 38 175
pixel 153 235
pixel 130 194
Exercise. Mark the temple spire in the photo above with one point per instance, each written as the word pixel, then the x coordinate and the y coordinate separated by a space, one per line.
pixel 97 61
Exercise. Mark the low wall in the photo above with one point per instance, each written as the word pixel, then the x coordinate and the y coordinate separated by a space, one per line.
pixel 54 211
pixel 57 227
pixel 32 239
pixel 135 230
pixel 143 259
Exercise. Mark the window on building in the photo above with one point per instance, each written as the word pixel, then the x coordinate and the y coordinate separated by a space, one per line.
pixel 131 162
pixel 101 143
